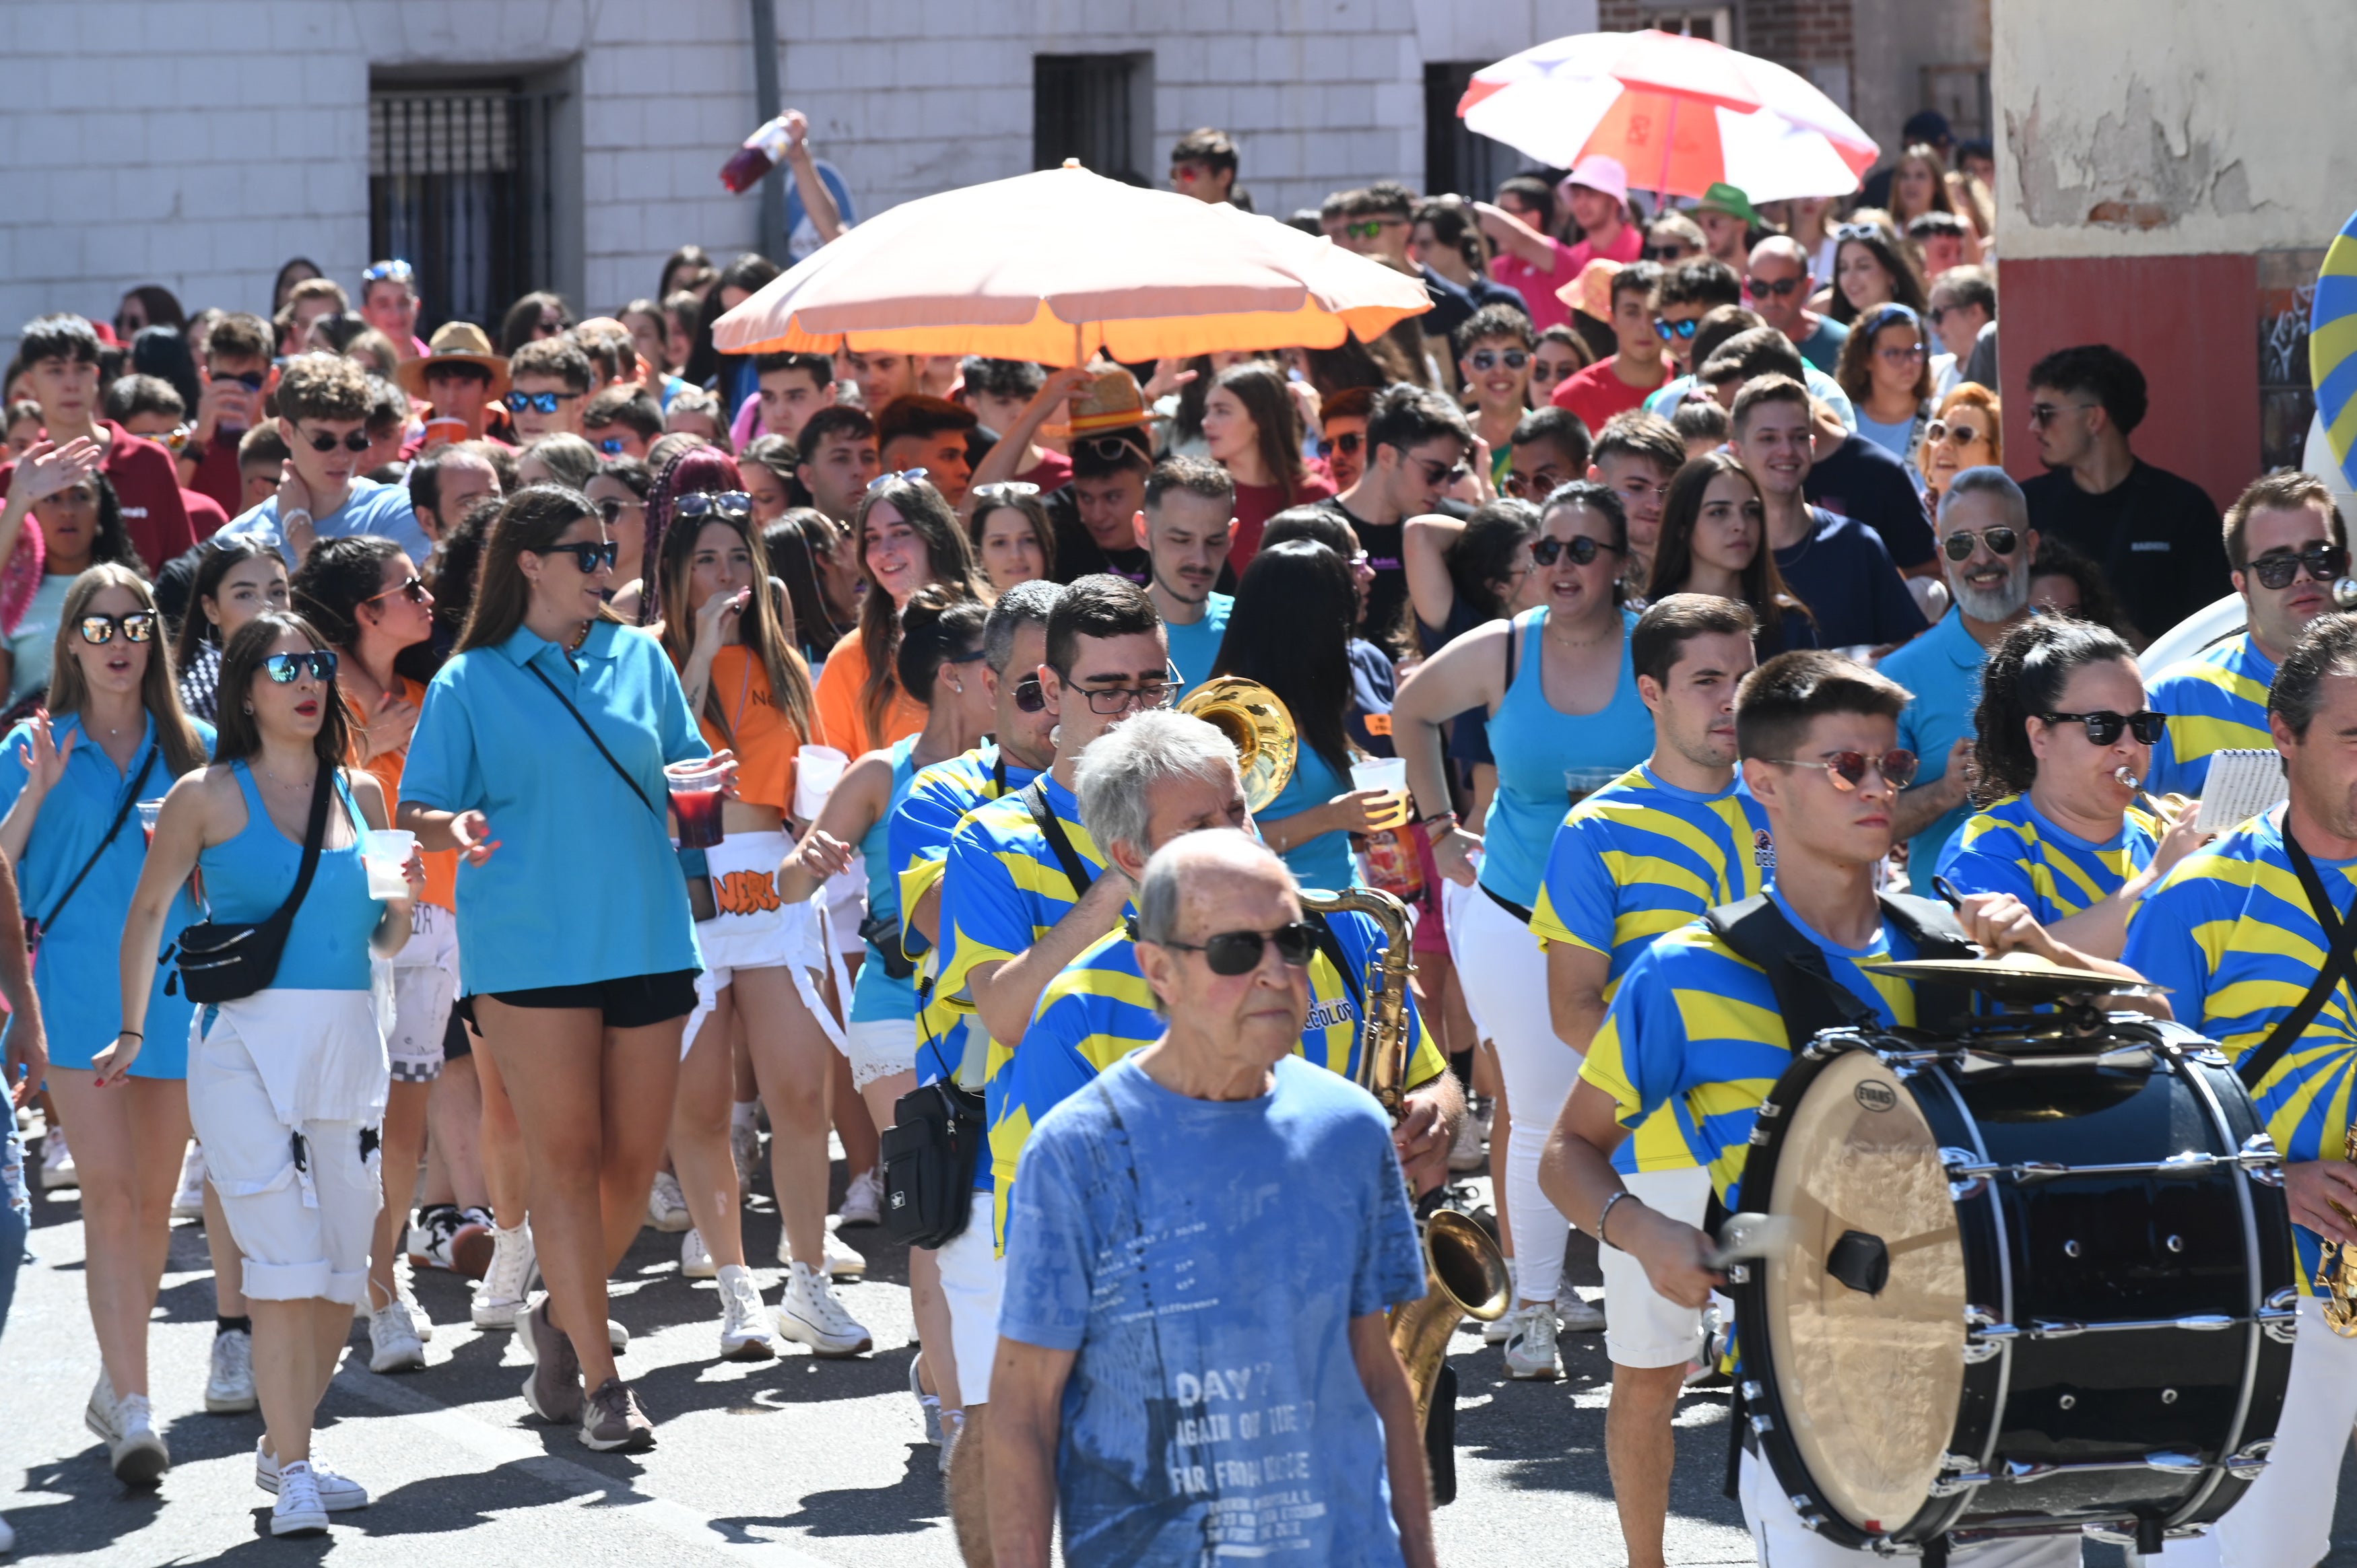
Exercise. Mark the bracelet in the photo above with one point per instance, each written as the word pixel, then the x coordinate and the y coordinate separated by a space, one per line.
pixel 129 1035
pixel 1448 817
pixel 1604 1213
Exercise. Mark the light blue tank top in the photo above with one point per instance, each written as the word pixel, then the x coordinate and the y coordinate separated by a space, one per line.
pixel 247 878
pixel 1535 743
pixel 1323 861
pixel 876 997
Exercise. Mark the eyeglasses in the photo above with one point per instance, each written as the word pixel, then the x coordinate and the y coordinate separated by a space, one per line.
pixel 2043 415
pixel 1232 953
pixel 1779 288
pixel 1435 473
pixel 720 503
pixel 387 271
pixel 1856 232
pixel 1666 253
pixel 612 445
pixel 1847 769
pixel 1347 443
pixel 1939 430
pixel 1367 229
pixel 1582 550
pixel 1900 353
pixel 413 590
pixel 1152 694
pixel 910 475
pixel 585 555
pixel 539 402
pixel 249 380
pixel 1028 698
pixel 1958 546
pixel 1938 314
pixel 2104 727
pixel 1681 332
pixel 612 509
pixel 175 439
pixel 351 441
pixel 98 630
pixel 2323 563
pixel 1006 491
pixel 1487 359
pixel 1526 486
pixel 284 668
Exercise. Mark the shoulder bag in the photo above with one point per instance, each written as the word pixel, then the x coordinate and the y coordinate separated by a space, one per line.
pixel 223 961
pixel 701 905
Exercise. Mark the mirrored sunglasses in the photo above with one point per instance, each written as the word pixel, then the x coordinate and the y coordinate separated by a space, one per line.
pixel 1847 769
pixel 1958 546
pixel 98 630
pixel 283 667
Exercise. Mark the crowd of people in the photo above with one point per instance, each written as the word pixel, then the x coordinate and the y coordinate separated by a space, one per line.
pixel 1670 554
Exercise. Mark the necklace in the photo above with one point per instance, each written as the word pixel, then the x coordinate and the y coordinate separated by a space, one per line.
pixel 283 784
pixel 1579 642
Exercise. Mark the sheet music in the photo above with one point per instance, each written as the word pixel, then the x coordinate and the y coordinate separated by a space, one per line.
pixel 2243 783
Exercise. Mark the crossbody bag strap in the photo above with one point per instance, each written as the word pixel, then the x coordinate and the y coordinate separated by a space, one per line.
pixel 2342 934
pixel 315 835
pixel 1035 799
pixel 115 830
pixel 619 771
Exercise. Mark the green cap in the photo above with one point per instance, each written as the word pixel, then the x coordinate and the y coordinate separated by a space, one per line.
pixel 1724 197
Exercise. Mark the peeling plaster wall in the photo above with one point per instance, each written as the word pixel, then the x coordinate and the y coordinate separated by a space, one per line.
pixel 2172 127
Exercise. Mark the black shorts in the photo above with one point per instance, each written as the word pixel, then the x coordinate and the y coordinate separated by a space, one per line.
pixel 457 1039
pixel 631 1002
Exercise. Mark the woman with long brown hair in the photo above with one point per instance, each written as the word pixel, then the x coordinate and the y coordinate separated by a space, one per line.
pixel 907 539
pixel 237 579
pixel 1714 540
pixel 1886 369
pixel 69 780
pixel 1252 430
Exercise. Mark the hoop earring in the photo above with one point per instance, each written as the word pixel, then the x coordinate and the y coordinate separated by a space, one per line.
pixel 248 707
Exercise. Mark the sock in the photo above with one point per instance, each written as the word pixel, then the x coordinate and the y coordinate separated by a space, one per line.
pixel 241 1324
pixel 742 1112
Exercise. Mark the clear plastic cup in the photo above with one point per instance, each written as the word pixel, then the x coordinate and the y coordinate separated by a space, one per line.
pixel 1579 783
pixel 384 851
pixel 817 770
pixel 1386 773
pixel 148 811
pixel 695 789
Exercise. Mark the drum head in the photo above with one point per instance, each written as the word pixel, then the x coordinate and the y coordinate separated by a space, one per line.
pixel 1869 1383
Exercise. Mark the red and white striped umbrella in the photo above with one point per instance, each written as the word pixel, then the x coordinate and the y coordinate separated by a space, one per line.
pixel 1680 114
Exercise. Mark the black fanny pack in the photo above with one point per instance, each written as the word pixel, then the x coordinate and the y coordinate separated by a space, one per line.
pixel 222 961
pixel 882 933
pixel 929 1155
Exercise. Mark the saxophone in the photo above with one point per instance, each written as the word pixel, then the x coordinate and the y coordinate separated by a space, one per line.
pixel 2336 1276
pixel 1464 1271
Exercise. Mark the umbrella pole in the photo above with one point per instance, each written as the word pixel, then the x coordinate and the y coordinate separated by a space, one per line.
pixel 1079 348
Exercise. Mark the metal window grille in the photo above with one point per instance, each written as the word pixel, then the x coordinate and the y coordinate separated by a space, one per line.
pixel 1083 106
pixel 459 187
pixel 1457 159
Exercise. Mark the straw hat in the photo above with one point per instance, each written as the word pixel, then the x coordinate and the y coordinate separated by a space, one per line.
pixel 1111 402
pixel 454 342
pixel 1591 292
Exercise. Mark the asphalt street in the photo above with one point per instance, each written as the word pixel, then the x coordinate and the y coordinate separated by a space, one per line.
pixel 787 1463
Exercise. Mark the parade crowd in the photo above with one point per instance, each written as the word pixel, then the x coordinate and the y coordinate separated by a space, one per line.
pixel 578 771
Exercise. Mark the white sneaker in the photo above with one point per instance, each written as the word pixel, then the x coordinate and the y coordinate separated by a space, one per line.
pixel 136 1452
pixel 1500 1328
pixel 500 1294
pixel 694 1258
pixel 338 1494
pixel 745 1147
pixel 811 1315
pixel 863 1200
pixel 420 1324
pixel 57 1162
pixel 842 1261
pixel 188 1203
pixel 929 1406
pixel 229 1388
pixel 1530 1354
pixel 1576 1315
pixel 393 1345
pixel 1470 1149
pixel 666 1206
pixel 299 1509
pixel 744 1324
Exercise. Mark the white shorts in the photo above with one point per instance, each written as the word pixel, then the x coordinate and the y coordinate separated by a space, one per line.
pixel 425 986
pixel 974 1276
pixel 1784 1541
pixel 879 1049
pixel 846 906
pixel 301 1193
pixel 1642 1326
pixel 755 929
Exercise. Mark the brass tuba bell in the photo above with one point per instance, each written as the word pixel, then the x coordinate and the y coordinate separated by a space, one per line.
pixel 1254 718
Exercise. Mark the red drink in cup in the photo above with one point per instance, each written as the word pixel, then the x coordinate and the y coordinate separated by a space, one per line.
pixel 148 811
pixel 695 800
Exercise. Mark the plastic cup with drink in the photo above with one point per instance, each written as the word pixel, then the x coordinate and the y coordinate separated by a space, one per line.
pixel 384 854
pixel 1388 774
pixel 148 811
pixel 817 770
pixel 695 787
pixel 1579 783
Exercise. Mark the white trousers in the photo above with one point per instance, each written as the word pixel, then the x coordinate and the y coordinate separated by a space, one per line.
pixel 973 1277
pixel 1503 971
pixel 1782 1542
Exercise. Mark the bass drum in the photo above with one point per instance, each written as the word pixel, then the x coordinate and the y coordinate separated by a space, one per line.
pixel 2028 1292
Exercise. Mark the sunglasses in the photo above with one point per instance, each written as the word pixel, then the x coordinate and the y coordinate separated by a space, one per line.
pixel 1777 289
pixel 720 503
pixel 1847 769
pixel 283 669
pixel 1028 698
pixel 1488 360
pixel 1368 228
pixel 249 380
pixel 2105 728
pixel 175 439
pixel 585 555
pixel 1958 546
pixel 1939 430
pixel 1527 485
pixel 612 509
pixel 2043 415
pixel 413 590
pixel 1436 474
pixel 351 441
pixel 910 475
pixel 1232 953
pixel 2323 563
pixel 388 271
pixel 612 445
pixel 1110 449
pixel 1856 232
pixel 539 402
pixel 1666 253
pixel 1681 332
pixel 1006 491
pixel 1582 550
pixel 1348 443
pixel 139 626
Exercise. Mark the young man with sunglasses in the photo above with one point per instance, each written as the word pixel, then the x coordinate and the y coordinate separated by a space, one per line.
pixel 1777 286
pixel 1266 1191
pixel 1697 1032
pixel 1985 547
pixel 1417 444
pixel 622 420
pixel 1493 356
pixel 1549 447
pixel 323 407
pixel 549 383
pixel 1204 165
pixel 1342 434
pixel 2286 542
pixel 2155 535
pixel 236 364
pixel 1620 382
pixel 61 353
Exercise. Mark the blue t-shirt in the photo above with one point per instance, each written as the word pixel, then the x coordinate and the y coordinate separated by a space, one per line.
pixel 1842 572
pixel 876 997
pixel 1195 647
pixel 1323 861
pixel 2215 701
pixel 370 508
pixel 1891 438
pixel 1205 1259
pixel 1941 668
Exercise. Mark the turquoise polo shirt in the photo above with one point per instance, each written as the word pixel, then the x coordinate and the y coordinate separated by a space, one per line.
pixel 584 886
pixel 1195 648
pixel 1942 669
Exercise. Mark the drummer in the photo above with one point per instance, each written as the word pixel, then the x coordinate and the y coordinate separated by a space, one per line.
pixel 2062 739
pixel 1696 1028
pixel 2232 935
pixel 2287 543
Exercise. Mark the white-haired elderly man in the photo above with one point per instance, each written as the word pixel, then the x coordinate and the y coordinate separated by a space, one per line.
pixel 1207 1237
pixel 1985 548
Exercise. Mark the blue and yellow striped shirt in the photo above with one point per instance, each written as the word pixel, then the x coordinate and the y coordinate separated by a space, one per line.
pixel 1693 1031
pixel 1099 1010
pixel 2228 931
pixel 2215 700
pixel 2010 847
pixel 1638 859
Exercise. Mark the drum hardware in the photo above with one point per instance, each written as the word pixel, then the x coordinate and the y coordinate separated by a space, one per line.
pixel 1744 1237
pixel 1963 1166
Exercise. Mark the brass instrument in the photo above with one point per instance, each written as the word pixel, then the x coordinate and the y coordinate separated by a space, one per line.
pixel 2336 1273
pixel 1254 718
pixel 1464 1271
